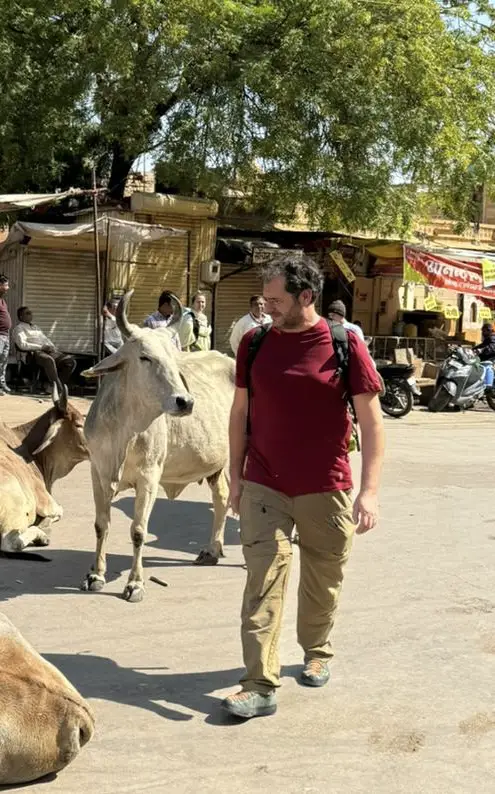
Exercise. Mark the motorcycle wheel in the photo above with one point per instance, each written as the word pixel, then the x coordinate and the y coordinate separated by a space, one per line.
pixel 398 400
pixel 490 398
pixel 439 401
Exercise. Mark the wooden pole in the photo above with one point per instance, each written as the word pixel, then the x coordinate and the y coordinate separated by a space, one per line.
pixel 98 270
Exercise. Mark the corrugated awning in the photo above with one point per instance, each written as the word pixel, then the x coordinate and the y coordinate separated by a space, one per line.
pixel 130 231
pixel 20 201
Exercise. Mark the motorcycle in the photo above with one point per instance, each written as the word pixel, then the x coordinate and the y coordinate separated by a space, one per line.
pixel 463 380
pixel 400 389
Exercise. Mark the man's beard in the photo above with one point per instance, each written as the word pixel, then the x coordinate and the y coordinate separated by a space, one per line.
pixel 291 320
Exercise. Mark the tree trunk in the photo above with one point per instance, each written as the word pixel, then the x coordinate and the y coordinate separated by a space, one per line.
pixel 121 166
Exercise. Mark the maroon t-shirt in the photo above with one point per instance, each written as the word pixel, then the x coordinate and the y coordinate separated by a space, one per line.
pixel 300 424
pixel 5 321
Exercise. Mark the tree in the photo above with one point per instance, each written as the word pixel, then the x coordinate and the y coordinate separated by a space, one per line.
pixel 353 109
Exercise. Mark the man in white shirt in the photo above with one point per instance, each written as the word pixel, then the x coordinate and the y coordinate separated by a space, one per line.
pixel 28 338
pixel 337 314
pixel 184 336
pixel 255 318
pixel 112 335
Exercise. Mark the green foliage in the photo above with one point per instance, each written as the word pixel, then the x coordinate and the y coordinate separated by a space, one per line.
pixel 349 108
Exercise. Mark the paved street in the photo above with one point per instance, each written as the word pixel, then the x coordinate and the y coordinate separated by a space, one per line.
pixel 410 707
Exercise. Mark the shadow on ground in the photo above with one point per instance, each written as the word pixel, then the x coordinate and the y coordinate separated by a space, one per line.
pixel 97 677
pixel 180 527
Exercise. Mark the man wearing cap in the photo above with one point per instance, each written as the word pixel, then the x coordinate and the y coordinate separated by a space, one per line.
pixel 337 313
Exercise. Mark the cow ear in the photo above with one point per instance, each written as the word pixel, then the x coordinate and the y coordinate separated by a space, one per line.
pixel 49 437
pixel 109 364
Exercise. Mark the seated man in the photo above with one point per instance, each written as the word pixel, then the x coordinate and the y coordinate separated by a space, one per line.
pixel 30 339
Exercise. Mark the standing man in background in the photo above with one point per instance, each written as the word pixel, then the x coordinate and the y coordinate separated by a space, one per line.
pixel 5 326
pixel 255 317
pixel 337 314
pixel 183 333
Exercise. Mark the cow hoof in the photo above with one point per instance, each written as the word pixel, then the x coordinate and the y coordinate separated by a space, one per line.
pixel 134 593
pixel 205 558
pixel 41 540
pixel 93 583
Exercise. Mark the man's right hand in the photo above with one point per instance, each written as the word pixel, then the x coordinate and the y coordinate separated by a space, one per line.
pixel 235 494
pixel 47 349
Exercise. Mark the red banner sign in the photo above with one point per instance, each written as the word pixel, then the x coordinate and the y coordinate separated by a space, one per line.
pixel 458 276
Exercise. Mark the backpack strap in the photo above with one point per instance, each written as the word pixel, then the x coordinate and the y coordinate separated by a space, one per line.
pixel 340 340
pixel 254 345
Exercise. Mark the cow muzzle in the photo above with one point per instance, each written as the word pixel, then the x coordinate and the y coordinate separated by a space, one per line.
pixel 183 404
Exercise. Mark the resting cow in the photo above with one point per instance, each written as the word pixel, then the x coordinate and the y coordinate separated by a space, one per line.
pixel 44 721
pixel 160 418
pixel 32 457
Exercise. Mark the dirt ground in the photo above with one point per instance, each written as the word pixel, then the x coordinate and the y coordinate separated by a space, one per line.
pixel 410 708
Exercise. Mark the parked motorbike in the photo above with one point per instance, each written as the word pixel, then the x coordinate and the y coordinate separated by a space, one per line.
pixel 463 380
pixel 400 389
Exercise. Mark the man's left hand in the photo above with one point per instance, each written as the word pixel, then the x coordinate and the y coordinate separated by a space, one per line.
pixel 365 512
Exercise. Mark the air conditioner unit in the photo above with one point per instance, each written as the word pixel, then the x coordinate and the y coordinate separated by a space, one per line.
pixel 210 271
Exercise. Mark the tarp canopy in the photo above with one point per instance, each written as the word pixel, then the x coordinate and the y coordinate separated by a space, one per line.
pixel 32 233
pixel 464 275
pixel 20 201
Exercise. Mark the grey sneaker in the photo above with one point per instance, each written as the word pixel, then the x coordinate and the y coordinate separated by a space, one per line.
pixel 246 704
pixel 315 673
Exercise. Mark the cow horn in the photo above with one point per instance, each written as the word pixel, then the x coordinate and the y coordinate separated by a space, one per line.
pixel 60 396
pixel 177 307
pixel 123 323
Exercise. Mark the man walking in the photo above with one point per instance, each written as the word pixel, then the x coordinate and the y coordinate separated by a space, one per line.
pixel 293 468
pixel 5 326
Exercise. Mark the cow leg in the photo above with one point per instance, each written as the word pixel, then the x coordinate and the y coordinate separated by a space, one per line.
pixel 102 493
pixel 146 491
pixel 220 495
pixel 17 540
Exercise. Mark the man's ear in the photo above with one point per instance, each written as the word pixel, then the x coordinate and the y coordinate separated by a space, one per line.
pixel 306 297
pixel 110 364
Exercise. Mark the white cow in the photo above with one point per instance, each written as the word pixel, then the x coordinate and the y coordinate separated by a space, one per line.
pixel 160 418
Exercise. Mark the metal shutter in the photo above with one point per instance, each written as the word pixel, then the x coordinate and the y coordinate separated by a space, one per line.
pixel 232 302
pixel 60 289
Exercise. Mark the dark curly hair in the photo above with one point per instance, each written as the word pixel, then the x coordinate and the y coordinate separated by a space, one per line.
pixel 300 273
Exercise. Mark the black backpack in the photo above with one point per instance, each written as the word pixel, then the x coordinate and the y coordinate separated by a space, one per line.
pixel 195 321
pixel 340 342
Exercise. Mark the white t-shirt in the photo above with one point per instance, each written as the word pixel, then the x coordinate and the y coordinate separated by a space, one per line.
pixel 244 325
pixel 351 327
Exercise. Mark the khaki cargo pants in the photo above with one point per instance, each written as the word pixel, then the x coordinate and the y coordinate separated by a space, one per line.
pixel 325 527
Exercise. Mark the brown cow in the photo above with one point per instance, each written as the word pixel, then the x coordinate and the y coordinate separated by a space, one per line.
pixel 32 457
pixel 44 721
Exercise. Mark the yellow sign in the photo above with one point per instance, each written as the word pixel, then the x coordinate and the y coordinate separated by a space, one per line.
pixel 431 304
pixel 488 269
pixel 343 266
pixel 451 312
pixel 485 313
